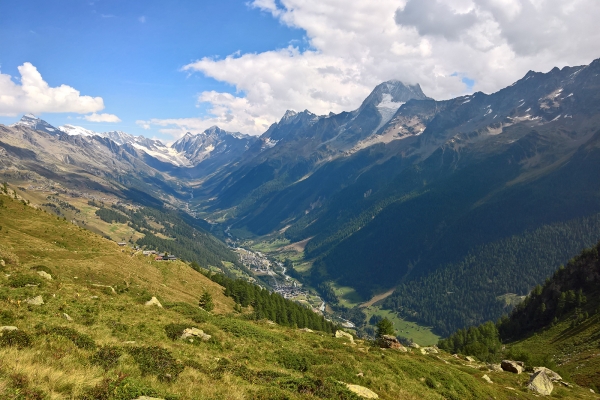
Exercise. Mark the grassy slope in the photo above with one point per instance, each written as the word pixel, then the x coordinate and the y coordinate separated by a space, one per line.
pixel 243 360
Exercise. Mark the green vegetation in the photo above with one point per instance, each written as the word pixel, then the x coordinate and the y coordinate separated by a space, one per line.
pixel 110 216
pixel 206 301
pixel 385 327
pixel 271 305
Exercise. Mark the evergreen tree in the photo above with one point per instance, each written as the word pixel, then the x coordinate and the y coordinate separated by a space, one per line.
pixel 385 327
pixel 206 301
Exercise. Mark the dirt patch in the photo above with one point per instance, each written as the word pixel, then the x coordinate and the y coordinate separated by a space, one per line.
pixel 298 246
pixel 377 298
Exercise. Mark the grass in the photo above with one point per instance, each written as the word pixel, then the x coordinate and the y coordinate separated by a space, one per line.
pixel 347 296
pixel 244 359
pixel 411 330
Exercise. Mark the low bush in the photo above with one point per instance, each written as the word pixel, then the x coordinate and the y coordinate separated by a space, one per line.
pixel 42 268
pixel 195 313
pixel 121 388
pixel 156 361
pixel 7 317
pixel 174 331
pixel 22 280
pixel 107 357
pixel 293 361
pixel 18 339
pixel 80 340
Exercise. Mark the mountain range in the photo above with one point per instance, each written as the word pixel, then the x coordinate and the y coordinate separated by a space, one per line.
pixel 402 192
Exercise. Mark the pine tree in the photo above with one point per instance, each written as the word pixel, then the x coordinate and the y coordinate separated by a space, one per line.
pixel 385 327
pixel 206 301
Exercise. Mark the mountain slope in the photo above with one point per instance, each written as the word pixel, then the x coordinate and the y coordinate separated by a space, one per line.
pixel 111 346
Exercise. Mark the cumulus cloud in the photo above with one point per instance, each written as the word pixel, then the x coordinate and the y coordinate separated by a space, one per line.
pixel 102 118
pixel 450 47
pixel 34 95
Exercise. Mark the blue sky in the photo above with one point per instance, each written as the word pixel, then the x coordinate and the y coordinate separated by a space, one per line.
pixel 163 68
pixel 131 53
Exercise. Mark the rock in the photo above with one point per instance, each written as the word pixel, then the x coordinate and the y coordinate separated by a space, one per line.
pixel 153 302
pixel 511 366
pixel 148 398
pixel 495 367
pixel 414 345
pixel 271 322
pixel 456 356
pixel 554 377
pixel 565 384
pixel 45 275
pixel 470 359
pixel 540 383
pixel 360 375
pixel 190 333
pixel 487 379
pixel 35 301
pixel 361 391
pixel 342 334
pixel 592 391
pixel 2 262
pixel 391 342
pixel 8 328
pixel 307 330
pixel 67 317
pixel 429 350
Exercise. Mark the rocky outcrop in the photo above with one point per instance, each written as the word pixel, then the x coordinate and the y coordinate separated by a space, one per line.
pixel 153 302
pixel 429 350
pixel 512 366
pixel 191 333
pixel 342 334
pixel 391 342
pixel 540 383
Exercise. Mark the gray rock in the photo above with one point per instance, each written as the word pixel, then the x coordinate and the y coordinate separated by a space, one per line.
pixel 35 301
pixel 540 383
pixel 8 328
pixel 67 317
pixel 191 333
pixel 495 367
pixel 487 379
pixel 414 345
pixel 511 366
pixel 342 334
pixel 45 275
pixel 153 302
pixel 307 330
pixel 470 359
pixel 391 342
pixel 429 350
pixel 554 377
pixel 148 398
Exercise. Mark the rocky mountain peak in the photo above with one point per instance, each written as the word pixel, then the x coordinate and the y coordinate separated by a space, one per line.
pixel 392 94
pixel 32 122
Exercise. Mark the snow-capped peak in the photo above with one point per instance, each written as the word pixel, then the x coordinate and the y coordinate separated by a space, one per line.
pixel 76 130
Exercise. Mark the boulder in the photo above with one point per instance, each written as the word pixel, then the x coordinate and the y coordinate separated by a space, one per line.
pixel 511 366
pixel 45 275
pixel 153 302
pixel 342 334
pixel 554 377
pixel 495 367
pixel 470 359
pixel 540 383
pixel 391 342
pixel 190 333
pixel 35 301
pixel 414 345
pixel 361 391
pixel 429 350
pixel 487 379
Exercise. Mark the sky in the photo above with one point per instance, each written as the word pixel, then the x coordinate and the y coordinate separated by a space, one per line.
pixel 163 68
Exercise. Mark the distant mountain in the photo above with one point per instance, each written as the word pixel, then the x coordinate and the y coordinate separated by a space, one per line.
pixel 33 122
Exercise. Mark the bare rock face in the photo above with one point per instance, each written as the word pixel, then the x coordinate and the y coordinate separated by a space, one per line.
pixel 342 334
pixel 554 377
pixel 390 342
pixel 191 333
pixel 540 383
pixel 511 366
pixel 153 302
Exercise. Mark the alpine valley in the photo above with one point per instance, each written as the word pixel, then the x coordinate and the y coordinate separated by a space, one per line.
pixel 437 215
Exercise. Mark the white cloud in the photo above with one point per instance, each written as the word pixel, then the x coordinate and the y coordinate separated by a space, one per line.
pixel 34 95
pixel 102 118
pixel 354 45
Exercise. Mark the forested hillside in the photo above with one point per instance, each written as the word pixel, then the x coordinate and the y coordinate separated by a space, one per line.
pixel 473 290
